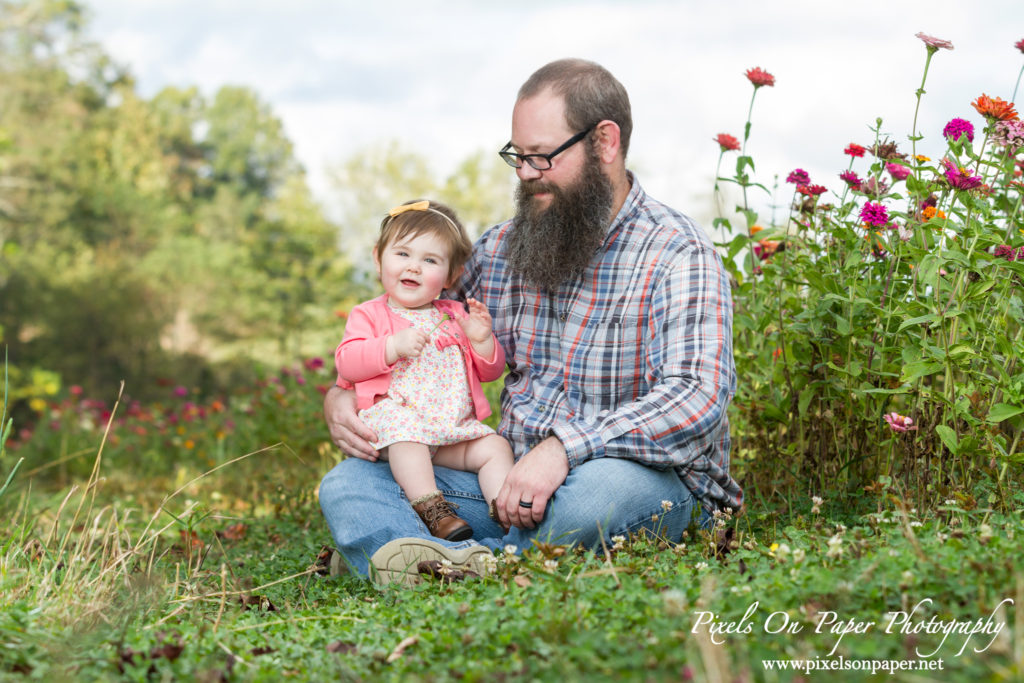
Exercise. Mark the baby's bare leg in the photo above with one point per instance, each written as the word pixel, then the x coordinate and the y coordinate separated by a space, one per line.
pixel 411 468
pixel 489 456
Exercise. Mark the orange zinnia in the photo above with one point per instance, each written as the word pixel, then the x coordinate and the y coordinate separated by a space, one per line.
pixel 995 108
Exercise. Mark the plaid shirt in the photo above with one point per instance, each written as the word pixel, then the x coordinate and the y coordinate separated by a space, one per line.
pixel 633 359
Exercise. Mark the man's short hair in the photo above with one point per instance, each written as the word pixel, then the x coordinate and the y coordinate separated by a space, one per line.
pixel 590 92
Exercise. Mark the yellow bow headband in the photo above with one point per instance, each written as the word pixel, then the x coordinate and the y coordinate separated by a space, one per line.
pixel 423 205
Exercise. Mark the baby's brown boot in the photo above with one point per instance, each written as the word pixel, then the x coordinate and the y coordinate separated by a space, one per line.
pixel 439 516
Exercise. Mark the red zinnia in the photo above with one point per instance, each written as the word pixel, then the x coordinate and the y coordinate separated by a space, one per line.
pixel 995 108
pixel 1019 45
pixel 728 143
pixel 811 190
pixel 855 150
pixel 759 77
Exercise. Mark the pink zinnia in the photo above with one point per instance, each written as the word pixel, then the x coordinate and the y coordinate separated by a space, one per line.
pixel 1009 134
pixel 1019 45
pixel 798 176
pixel 934 43
pixel 874 214
pixel 811 190
pixel 1009 253
pixel 759 77
pixel 899 423
pixel 851 179
pixel 855 150
pixel 959 177
pixel 897 171
pixel 956 128
pixel 727 142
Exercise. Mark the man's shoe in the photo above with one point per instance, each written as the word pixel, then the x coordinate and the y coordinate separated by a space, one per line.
pixel 399 561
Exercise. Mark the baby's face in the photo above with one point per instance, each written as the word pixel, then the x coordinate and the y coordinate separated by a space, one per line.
pixel 414 270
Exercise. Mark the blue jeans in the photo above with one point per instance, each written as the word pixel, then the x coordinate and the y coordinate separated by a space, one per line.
pixel 601 498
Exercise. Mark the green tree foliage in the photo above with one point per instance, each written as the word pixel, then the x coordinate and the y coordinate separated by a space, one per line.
pixel 381 176
pixel 137 236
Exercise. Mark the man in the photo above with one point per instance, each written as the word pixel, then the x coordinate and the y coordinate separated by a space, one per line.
pixel 615 316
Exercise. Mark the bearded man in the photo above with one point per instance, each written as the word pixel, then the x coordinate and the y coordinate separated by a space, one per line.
pixel 615 316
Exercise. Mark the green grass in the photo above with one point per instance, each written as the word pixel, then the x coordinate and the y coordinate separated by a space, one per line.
pixel 96 592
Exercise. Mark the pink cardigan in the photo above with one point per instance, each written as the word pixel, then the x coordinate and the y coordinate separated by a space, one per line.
pixel 359 357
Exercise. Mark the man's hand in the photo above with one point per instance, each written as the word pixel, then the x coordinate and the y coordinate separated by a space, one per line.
pixel 534 479
pixel 347 431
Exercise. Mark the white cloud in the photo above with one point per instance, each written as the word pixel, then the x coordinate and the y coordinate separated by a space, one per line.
pixel 442 77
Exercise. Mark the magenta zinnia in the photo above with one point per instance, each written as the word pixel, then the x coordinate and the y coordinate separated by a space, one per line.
pixel 727 142
pixel 959 177
pixel 934 43
pixel 851 179
pixel 957 128
pixel 759 77
pixel 1009 253
pixel 798 176
pixel 874 214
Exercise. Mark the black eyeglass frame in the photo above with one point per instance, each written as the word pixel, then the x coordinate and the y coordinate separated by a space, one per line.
pixel 516 160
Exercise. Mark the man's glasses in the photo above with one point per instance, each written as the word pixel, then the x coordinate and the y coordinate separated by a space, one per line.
pixel 541 162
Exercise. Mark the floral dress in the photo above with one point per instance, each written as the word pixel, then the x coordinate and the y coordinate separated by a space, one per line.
pixel 428 400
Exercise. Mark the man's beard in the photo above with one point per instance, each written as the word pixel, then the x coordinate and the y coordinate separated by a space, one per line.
pixel 547 247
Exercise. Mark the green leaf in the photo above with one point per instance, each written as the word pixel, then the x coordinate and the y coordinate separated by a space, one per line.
pixel 948 437
pixel 920 368
pixel 932 319
pixel 1003 411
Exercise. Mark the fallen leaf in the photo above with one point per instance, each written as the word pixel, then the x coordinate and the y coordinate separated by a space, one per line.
pixel 235 532
pixel 341 647
pixel 522 581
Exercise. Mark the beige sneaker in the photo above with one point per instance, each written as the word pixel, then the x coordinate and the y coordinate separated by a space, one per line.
pixel 398 561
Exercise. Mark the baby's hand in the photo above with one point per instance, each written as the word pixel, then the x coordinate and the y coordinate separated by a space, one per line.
pixel 407 343
pixel 477 325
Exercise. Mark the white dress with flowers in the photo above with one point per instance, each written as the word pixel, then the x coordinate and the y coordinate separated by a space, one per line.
pixel 428 400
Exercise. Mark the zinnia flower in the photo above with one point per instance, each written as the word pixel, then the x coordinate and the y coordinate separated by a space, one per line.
pixel 956 128
pixel 874 214
pixel 798 176
pixel 727 142
pixel 759 77
pixel 811 190
pixel 930 212
pixel 934 43
pixel 995 108
pixel 897 171
pixel 765 248
pixel 959 177
pixel 874 187
pixel 1009 253
pixel 851 179
pixel 899 423
pixel 855 150
pixel 1019 45
pixel 1009 134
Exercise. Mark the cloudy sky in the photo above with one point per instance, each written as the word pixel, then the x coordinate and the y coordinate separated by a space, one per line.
pixel 440 77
